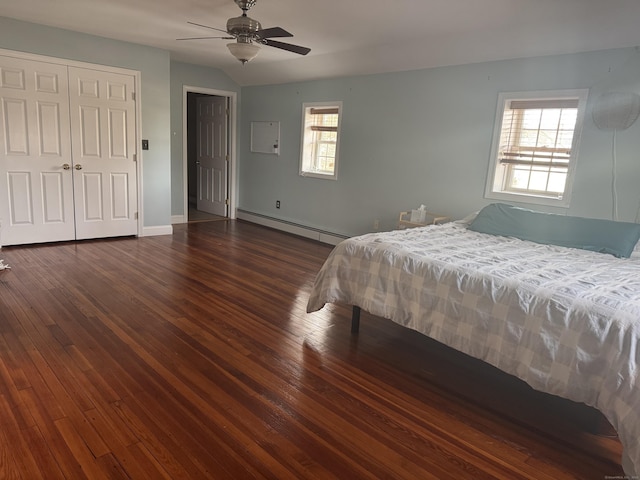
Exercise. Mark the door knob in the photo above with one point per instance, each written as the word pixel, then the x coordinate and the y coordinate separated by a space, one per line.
pixel 66 166
pixel 77 166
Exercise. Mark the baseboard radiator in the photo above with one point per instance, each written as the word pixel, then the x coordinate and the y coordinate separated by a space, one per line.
pixel 290 227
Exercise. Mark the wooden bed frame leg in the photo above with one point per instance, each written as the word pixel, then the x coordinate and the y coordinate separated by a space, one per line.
pixel 355 319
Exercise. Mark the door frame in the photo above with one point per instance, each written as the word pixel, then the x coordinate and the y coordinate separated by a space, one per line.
pixel 232 97
pixel 138 110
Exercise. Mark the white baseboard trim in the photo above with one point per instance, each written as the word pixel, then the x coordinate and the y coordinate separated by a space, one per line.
pixel 178 219
pixel 157 230
pixel 290 227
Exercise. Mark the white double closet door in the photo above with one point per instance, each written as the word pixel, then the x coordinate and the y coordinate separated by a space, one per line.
pixel 68 146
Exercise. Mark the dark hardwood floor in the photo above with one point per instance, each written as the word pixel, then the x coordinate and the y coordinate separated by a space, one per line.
pixel 191 356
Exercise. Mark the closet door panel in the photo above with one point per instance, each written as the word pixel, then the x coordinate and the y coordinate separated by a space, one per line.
pixel 35 153
pixel 103 136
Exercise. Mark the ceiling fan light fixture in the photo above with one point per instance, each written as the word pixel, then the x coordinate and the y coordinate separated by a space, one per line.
pixel 245 4
pixel 243 51
pixel 248 32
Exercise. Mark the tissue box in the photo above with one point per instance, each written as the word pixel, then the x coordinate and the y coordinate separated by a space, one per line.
pixel 424 217
pixel 418 216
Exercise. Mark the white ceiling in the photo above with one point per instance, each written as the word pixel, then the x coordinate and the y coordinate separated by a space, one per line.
pixel 350 37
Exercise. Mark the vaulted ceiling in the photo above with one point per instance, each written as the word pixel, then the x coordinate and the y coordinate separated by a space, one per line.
pixel 349 37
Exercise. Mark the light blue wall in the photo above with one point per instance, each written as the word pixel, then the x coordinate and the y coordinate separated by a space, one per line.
pixel 183 74
pixel 424 137
pixel 154 67
pixel 407 138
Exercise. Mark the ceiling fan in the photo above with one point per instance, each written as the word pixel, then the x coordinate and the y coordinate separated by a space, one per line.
pixel 248 32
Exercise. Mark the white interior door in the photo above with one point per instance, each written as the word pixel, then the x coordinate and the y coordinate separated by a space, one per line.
pixel 36 191
pixel 212 163
pixel 102 113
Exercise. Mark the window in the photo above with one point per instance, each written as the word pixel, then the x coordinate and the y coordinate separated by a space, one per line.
pixel 320 139
pixel 533 155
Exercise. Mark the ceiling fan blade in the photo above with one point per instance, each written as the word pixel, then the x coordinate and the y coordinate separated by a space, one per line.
pixel 273 32
pixel 207 26
pixel 287 46
pixel 205 38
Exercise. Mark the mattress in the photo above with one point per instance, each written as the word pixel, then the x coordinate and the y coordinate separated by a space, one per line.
pixel 564 320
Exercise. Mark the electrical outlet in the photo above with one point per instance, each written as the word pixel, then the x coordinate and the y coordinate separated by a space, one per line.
pixel 376 224
pixel 277 203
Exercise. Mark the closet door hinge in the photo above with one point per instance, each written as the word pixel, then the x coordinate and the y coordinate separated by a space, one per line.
pixel 135 215
pixel 135 157
pixel 133 96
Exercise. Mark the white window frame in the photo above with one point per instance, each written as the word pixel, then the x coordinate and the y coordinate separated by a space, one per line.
pixel 308 144
pixel 497 173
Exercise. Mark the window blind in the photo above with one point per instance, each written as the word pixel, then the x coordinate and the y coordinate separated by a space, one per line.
pixel 540 104
pixel 324 111
pixel 538 133
pixel 325 123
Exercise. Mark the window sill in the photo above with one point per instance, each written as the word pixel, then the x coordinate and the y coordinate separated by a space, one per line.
pixel 528 199
pixel 325 176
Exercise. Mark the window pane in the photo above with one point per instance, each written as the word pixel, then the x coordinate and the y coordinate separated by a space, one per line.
pixel 538 180
pixel 330 120
pixel 550 119
pixel 323 150
pixel 557 182
pixel 520 178
pixel 565 139
pixel 531 118
pixel 327 136
pixel 331 150
pixel 568 119
pixel 547 138
pixel 528 138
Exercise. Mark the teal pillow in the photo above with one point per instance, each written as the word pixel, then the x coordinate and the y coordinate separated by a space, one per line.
pixel 605 236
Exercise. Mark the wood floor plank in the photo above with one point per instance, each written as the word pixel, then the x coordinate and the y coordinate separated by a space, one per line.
pixel 16 456
pixel 161 446
pixel 51 443
pixel 45 460
pixel 85 464
pixel 191 356
pixel 138 462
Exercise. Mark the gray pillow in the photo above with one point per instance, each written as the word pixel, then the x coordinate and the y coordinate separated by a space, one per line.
pixel 605 236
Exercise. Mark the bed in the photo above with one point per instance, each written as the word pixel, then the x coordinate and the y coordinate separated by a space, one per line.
pixel 564 318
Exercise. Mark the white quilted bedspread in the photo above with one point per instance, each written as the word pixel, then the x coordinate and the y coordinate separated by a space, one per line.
pixel 566 321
